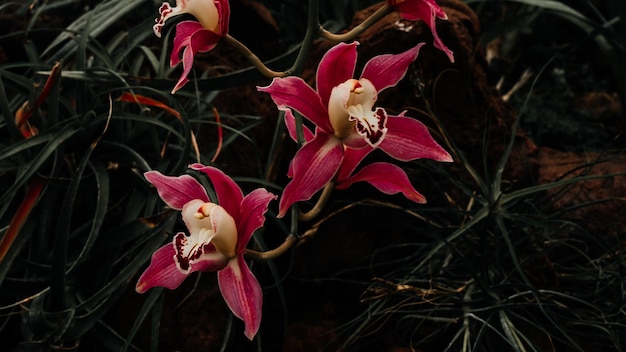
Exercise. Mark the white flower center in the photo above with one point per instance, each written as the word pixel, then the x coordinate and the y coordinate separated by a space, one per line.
pixel 351 111
pixel 205 11
pixel 207 223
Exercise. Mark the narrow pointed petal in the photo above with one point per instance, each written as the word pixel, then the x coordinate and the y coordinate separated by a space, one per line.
pixel 336 66
pixel 313 166
pixel 290 122
pixel 295 93
pixel 408 139
pixel 253 208
pixel 191 39
pixel 386 71
pixel 388 178
pixel 229 195
pixel 176 191
pixel 351 158
pixel 242 293
pixel 427 11
pixel 162 271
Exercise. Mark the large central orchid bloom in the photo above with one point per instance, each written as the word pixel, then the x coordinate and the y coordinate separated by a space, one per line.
pixel 427 11
pixel 218 235
pixel 348 126
pixel 387 178
pixel 193 37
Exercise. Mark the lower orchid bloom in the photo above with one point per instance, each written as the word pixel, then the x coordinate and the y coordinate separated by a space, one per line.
pixel 193 37
pixel 347 123
pixel 218 236
pixel 427 11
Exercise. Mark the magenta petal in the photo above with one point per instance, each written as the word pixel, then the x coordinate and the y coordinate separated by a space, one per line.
pixel 293 92
pixel 388 178
pixel 176 191
pixel 184 30
pixel 223 9
pixel 253 208
pixel 242 293
pixel 313 166
pixel 290 122
pixel 229 195
pixel 192 39
pixel 427 11
pixel 386 71
pixel 408 139
pixel 336 67
pixel 352 158
pixel 162 271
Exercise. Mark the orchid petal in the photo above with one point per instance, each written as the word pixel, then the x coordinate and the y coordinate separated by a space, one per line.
pixel 176 191
pixel 295 93
pixel 242 293
pixel 184 32
pixel 253 208
pixel 290 122
pixel 427 11
pixel 336 66
pixel 191 38
pixel 408 139
pixel 313 166
pixel 162 271
pixel 387 70
pixel 223 9
pixel 387 178
pixel 229 195
pixel 351 158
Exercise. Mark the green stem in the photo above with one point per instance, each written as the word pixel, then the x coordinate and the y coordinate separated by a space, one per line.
pixel 311 32
pixel 265 71
pixel 356 31
pixel 305 48
pixel 321 201
pixel 273 253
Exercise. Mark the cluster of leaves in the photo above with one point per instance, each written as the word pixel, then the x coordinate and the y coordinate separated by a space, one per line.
pixel 502 271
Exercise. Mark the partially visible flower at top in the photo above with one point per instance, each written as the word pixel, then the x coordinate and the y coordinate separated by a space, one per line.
pixel 218 235
pixel 348 125
pixel 427 11
pixel 193 37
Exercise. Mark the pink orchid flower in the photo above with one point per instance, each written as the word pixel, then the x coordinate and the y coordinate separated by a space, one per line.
pixel 427 11
pixel 193 37
pixel 348 126
pixel 387 178
pixel 218 235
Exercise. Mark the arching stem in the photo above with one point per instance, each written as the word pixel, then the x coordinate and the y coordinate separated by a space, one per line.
pixel 354 32
pixel 272 253
pixel 321 202
pixel 254 60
